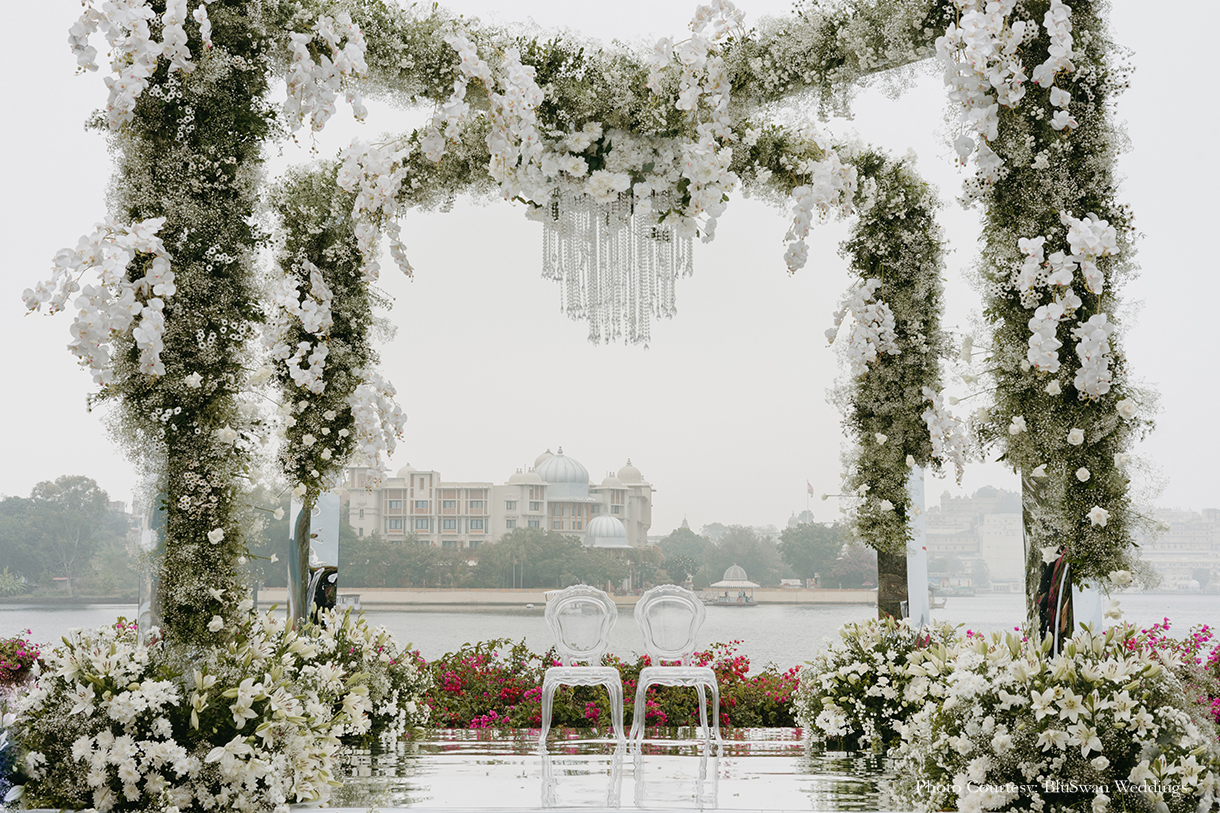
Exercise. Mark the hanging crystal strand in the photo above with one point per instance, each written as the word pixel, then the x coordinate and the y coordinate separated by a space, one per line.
pixel 606 270
pixel 552 265
pixel 614 270
pixel 570 232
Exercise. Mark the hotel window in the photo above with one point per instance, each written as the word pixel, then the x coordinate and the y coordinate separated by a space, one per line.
pixel 616 509
pixel 476 504
pixel 535 506
pixel 533 523
pixel 395 505
pixel 557 525
pixel 578 525
pixel 449 524
pixel 448 503
pixel 393 524
pixel 359 532
pixel 451 543
pixel 362 513
pixel 510 523
pixel 421 524
pixel 476 524
pixel 421 505
pixel 510 505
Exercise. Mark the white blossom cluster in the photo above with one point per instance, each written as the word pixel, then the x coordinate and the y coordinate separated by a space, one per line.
pixel 375 173
pixel 984 71
pixel 1109 713
pixel 1088 240
pixel 862 688
pixel 113 304
pixel 872 329
pixel 134 53
pixel 378 422
pixel 313 86
pixel 253 723
pixel 311 311
pixel 830 188
pixel 947 433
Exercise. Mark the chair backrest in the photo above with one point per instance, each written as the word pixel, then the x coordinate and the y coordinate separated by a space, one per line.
pixel 581 618
pixel 670 617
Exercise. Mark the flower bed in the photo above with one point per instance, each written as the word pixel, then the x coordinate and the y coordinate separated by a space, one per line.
pixel 1124 719
pixel 17 658
pixel 497 684
pixel 252 722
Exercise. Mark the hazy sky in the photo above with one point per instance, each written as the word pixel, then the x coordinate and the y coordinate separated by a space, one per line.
pixel 725 414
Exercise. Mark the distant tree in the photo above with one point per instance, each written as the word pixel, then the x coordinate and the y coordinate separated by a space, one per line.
pixel 268 536
pixel 947 564
pixel 679 566
pixel 69 517
pixel 644 565
pixel 856 566
pixel 528 557
pixel 714 531
pixel 744 546
pixel 980 574
pixel 811 547
pixel 19 548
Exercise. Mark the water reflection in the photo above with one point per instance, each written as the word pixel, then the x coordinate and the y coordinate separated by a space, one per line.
pixel 758 769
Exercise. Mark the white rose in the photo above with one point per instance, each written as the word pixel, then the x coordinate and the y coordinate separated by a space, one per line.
pixel 1126 408
pixel 1083 475
pixel 1076 437
pixel 216 624
pixel 216 535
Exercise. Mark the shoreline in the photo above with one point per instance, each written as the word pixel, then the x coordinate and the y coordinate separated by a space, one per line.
pixel 386 597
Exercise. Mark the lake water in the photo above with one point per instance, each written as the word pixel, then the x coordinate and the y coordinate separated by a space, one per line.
pixel 784 634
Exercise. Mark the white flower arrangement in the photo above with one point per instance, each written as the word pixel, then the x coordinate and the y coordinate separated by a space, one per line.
pixel 859 691
pixel 252 723
pixel 1107 724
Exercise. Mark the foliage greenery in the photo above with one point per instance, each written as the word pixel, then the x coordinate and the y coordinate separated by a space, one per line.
pixel 497 684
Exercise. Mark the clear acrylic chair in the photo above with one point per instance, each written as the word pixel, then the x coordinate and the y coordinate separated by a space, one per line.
pixel 581 618
pixel 670 617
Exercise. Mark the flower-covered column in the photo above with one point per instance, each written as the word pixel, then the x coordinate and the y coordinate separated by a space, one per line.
pixel 187 116
pixel 1057 250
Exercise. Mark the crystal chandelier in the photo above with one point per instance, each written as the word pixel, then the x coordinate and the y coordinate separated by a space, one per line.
pixel 616 265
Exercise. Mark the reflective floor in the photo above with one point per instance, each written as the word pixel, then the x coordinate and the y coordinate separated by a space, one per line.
pixel 758 769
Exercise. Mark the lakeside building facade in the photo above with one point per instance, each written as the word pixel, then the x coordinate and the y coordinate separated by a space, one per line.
pixel 1186 553
pixel 556 494
pixel 985 526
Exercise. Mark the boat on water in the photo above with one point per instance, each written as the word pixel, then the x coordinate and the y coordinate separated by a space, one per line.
pixel 734 590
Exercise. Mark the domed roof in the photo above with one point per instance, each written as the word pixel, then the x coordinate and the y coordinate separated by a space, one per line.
pixel 735 574
pixel 405 472
pixel 547 454
pixel 531 476
pixel 630 474
pixel 606 526
pixel 612 482
pixel 517 476
pixel 559 468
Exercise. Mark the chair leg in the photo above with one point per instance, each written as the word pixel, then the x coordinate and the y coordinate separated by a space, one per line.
pixel 637 716
pixel 548 702
pixel 614 688
pixel 716 715
pixel 704 731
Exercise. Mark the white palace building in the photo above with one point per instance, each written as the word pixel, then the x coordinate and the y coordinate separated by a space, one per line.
pixel 555 495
